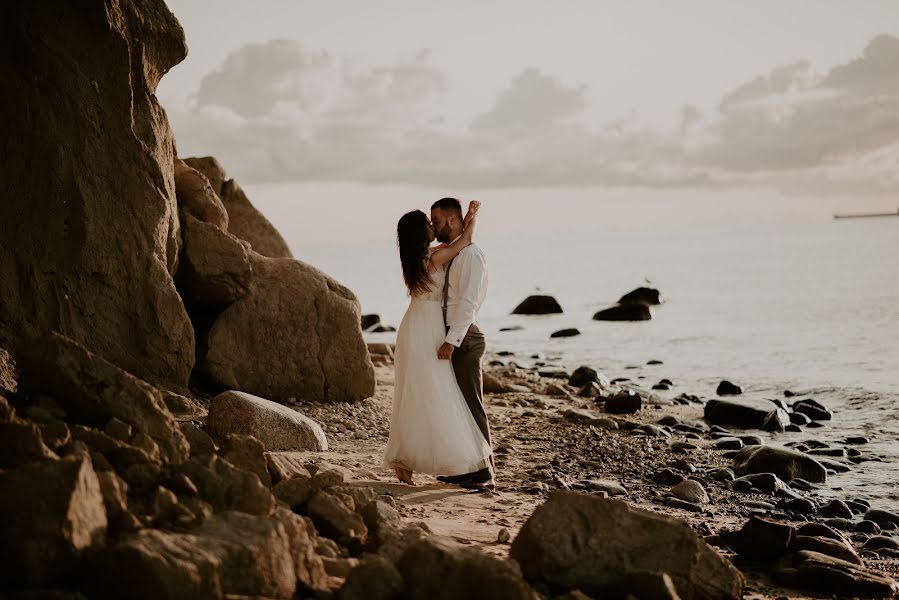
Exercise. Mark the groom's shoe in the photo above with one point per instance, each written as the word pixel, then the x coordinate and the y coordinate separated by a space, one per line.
pixel 453 479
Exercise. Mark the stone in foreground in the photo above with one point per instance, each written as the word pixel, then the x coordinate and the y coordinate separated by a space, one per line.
pixel 440 569
pixel 577 541
pixel 49 514
pixel 276 426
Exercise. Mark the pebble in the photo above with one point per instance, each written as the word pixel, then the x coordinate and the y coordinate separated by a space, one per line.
pixel 856 440
pixel 728 443
pixel 869 527
pixel 669 476
pixel 682 504
pixel 758 504
pixel 835 508
pixel 609 487
pixel 691 491
pixel 724 474
pixel 504 537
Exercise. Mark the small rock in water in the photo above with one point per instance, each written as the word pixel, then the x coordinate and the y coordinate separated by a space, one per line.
pixel 793 428
pixel 503 537
pixel 802 506
pixel 812 409
pixel 726 388
pixel 582 376
pixel 798 418
pixel 654 362
pixel 856 440
pixel 815 425
pixel 563 333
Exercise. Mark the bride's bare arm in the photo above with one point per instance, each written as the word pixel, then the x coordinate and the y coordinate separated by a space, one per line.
pixel 443 255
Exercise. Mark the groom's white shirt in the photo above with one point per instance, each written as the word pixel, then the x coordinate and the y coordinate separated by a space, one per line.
pixel 467 289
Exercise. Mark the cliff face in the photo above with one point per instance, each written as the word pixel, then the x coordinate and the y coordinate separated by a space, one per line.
pixel 89 229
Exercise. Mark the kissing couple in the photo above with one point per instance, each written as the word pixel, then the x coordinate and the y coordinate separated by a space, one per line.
pixel 438 424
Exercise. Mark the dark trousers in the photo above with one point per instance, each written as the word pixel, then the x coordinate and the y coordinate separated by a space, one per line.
pixel 467 366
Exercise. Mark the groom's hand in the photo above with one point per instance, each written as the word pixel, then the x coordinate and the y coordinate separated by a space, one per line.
pixel 445 352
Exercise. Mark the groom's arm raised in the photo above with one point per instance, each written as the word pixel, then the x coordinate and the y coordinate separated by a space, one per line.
pixel 443 255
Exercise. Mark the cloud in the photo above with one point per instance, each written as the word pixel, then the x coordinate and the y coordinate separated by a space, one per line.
pixel 279 111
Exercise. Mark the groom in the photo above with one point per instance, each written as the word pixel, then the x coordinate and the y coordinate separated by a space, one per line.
pixel 463 294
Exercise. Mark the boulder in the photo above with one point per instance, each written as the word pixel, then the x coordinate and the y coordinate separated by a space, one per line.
pixel 577 541
pixel 375 578
pixel 254 552
pixel 22 443
pixel 538 305
pixel 882 517
pixel 843 551
pixel 93 391
pixel 215 266
pixel 286 465
pixel 197 198
pixel 582 376
pixel 248 224
pixel 199 440
pixel 317 352
pixel 563 333
pixel 335 520
pixel 275 425
pixel 440 569
pixel 785 463
pixel 642 295
pixel 226 487
pixel 625 402
pixel 818 572
pixel 156 564
pixel 691 491
pixel 813 409
pixel 745 413
pixel 247 453
pixel 726 388
pixel 50 513
pixel 210 168
pixel 89 237
pixel 370 321
pixel 383 522
pixel 624 312
pixel 302 538
pixel 761 539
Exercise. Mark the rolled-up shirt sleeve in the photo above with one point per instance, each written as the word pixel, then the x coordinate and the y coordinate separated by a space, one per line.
pixel 467 274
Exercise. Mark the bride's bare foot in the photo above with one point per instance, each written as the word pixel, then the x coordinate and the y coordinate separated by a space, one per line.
pixel 404 476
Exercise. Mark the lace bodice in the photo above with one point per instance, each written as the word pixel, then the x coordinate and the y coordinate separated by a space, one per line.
pixel 435 294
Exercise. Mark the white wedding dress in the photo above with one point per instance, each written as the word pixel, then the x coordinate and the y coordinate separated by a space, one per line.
pixel 431 429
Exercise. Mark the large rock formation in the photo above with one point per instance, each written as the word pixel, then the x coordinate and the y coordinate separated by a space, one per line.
pixel 244 220
pixel 89 232
pixel 296 334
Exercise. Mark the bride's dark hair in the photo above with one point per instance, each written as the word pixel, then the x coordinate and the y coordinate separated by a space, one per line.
pixel 413 240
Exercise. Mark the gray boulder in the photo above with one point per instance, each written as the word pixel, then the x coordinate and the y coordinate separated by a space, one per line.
pixel 275 425
pixel 577 541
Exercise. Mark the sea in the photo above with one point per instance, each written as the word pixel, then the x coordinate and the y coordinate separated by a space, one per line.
pixel 793 301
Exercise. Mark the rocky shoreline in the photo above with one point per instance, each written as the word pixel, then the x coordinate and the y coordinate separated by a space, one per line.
pixel 188 411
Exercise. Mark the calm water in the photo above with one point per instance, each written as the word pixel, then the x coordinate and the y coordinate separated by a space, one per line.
pixel 811 307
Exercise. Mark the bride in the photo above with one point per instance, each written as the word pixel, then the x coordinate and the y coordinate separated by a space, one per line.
pixel 431 427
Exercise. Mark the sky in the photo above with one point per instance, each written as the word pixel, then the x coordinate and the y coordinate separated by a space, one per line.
pixel 796 99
